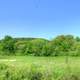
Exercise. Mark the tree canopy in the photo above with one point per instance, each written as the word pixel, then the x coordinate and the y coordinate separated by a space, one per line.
pixel 59 46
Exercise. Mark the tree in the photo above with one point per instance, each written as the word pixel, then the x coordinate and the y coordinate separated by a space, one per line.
pixel 8 45
pixel 63 44
pixel 77 39
pixel 47 49
pixel 37 46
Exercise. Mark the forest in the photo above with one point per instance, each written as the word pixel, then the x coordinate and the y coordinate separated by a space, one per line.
pixel 61 45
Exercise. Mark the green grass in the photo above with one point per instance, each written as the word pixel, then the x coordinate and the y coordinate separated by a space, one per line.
pixel 18 61
pixel 39 60
pixel 52 67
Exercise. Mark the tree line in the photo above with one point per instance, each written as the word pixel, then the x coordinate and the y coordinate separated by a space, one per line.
pixel 61 45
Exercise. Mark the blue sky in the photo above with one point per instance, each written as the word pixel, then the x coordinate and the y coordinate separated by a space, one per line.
pixel 39 18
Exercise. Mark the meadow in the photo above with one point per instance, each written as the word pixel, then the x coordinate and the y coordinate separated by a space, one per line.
pixel 40 59
pixel 39 68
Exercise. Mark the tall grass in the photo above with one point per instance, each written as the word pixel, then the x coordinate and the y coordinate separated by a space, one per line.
pixel 37 72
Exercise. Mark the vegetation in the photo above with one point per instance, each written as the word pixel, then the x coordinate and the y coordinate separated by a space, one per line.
pixel 39 68
pixel 60 46
pixel 40 59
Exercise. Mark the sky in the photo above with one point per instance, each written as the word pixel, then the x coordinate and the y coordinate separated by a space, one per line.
pixel 39 18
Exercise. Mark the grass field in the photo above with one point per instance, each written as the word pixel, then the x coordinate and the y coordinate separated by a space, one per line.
pixel 53 68
pixel 25 60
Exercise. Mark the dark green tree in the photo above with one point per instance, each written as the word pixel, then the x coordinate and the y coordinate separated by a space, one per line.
pixel 8 45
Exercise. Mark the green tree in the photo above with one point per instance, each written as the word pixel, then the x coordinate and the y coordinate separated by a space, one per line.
pixel 37 46
pixel 77 39
pixel 63 44
pixel 47 49
pixel 8 45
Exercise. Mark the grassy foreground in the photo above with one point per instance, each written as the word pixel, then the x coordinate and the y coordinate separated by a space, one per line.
pixel 39 68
